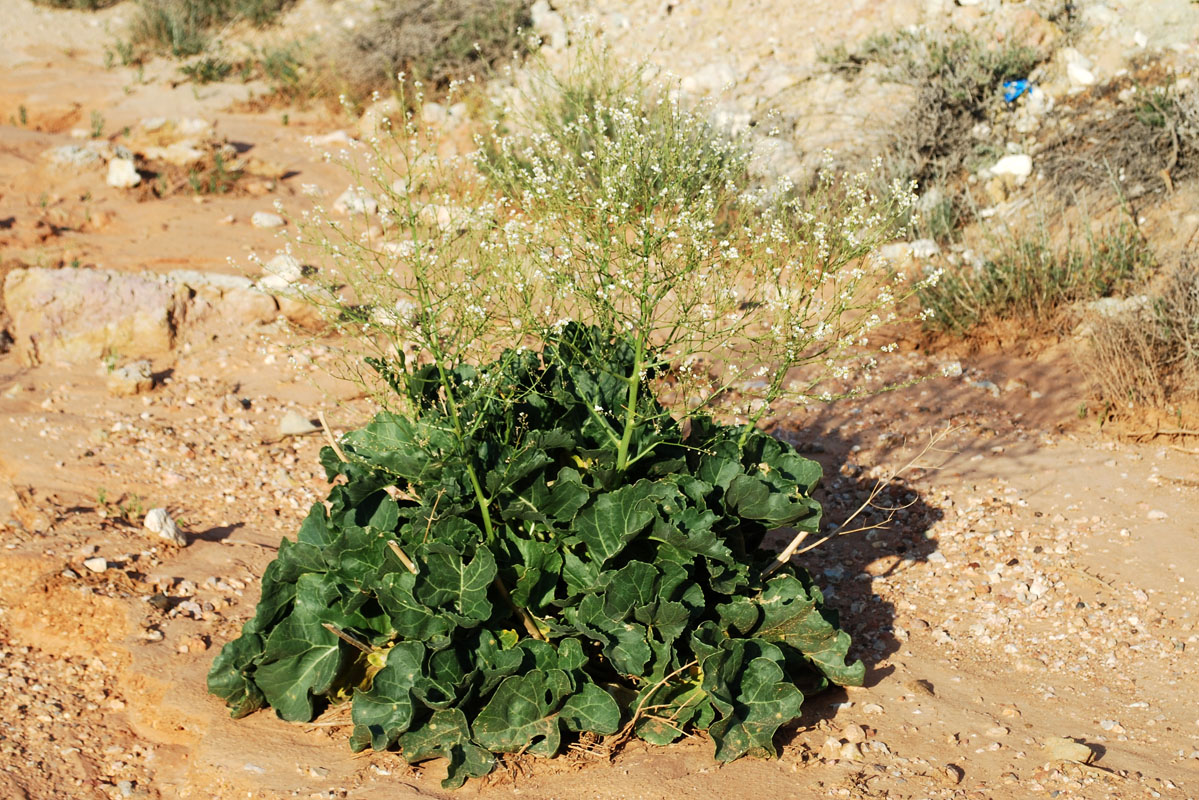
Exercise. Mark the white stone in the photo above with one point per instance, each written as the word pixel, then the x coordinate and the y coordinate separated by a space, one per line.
pixel 122 174
pixel 296 424
pixel 1140 40
pixel 265 219
pixel 96 564
pixel 1079 75
pixel 286 267
pixel 159 521
pixel 356 200
pixel 1018 166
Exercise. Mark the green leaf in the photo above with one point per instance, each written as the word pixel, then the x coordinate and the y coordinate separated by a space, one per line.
pixel 591 709
pixel 521 715
pixel 447 734
pixel 230 677
pixel 385 711
pixel 792 616
pixel 762 702
pixel 457 587
pixel 751 497
pixel 607 525
pixel 412 618
pixel 302 658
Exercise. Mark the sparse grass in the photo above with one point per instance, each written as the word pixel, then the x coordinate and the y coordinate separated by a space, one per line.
pixel 436 43
pixel 1148 356
pixel 207 69
pixel 1031 280
pixel 183 28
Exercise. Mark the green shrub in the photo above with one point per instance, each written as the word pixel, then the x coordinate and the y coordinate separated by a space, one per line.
pixel 547 532
pixel 1031 280
pixel 183 28
pixel 525 587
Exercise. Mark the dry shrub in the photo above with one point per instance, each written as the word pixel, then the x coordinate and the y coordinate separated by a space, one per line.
pixel 1142 144
pixel 434 41
pixel 1149 356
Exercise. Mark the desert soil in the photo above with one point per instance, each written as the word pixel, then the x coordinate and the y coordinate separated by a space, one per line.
pixel 1040 579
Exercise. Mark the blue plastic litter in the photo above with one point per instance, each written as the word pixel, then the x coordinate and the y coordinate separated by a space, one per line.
pixel 1013 89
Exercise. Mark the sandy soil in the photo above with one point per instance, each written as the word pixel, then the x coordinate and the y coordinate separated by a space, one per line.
pixel 1041 580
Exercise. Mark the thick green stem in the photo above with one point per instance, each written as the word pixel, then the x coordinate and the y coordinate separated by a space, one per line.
pixel 630 414
pixel 480 498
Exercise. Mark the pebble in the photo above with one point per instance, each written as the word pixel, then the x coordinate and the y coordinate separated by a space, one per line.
pixel 853 734
pixel 1018 166
pixel 355 200
pixel 96 564
pixel 131 379
pixel 296 424
pixel 1060 749
pixel 1157 515
pixel 265 219
pixel 872 708
pixel 122 174
pixel 159 521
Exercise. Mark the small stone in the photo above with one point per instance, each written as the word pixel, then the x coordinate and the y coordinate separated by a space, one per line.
pixel 72 155
pixel 953 774
pixel 131 379
pixel 1059 749
pixel 937 557
pixel 997 731
pixel 872 708
pixel 1018 166
pixel 159 521
pixel 296 424
pixel 853 734
pixel 265 219
pixel 1157 515
pixel 850 752
pixel 153 635
pixel 159 601
pixel 952 370
pixel 831 749
pixel 96 564
pixel 122 174
pixel 356 200
pixel 281 272
pixel 1079 75
pixel 69 573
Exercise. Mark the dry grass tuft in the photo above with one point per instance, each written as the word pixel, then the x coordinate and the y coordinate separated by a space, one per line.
pixel 1148 356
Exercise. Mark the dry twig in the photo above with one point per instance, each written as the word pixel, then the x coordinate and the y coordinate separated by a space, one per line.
pixel 793 548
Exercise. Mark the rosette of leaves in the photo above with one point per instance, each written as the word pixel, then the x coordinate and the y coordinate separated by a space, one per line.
pixel 484 580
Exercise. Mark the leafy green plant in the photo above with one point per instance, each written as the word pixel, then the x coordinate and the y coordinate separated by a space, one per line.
pixel 521 586
pixel 547 532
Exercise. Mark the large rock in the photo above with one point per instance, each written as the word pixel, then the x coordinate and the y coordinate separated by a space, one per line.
pixel 81 315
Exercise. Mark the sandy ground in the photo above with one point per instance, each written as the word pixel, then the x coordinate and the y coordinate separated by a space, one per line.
pixel 1041 581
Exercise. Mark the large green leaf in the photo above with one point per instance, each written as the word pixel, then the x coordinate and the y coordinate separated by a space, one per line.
pixel 591 709
pixel 385 710
pixel 447 734
pixel 230 677
pixel 522 714
pixel 457 587
pixel 607 525
pixel 792 616
pixel 761 701
pixel 302 659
